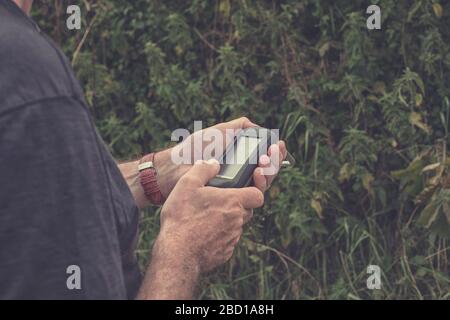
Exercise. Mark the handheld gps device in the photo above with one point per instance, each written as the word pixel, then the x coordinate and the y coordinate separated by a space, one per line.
pixel 241 158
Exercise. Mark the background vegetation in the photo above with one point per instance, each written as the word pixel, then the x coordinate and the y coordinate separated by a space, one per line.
pixel 365 113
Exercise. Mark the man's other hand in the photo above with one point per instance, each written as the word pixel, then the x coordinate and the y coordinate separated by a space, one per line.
pixel 200 227
pixel 204 223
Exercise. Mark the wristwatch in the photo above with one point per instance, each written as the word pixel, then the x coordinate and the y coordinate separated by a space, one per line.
pixel 147 177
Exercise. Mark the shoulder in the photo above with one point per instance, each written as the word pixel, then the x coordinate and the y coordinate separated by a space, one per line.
pixel 31 67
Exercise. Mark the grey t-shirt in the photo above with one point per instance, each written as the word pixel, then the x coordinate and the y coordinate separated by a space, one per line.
pixel 63 201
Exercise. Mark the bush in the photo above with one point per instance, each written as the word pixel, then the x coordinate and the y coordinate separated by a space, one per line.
pixel 365 113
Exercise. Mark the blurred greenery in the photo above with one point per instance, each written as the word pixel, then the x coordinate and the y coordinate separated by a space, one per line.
pixel 365 113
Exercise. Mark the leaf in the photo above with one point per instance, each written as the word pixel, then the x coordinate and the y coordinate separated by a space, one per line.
pixel 420 83
pixel 254 258
pixel 421 272
pixel 437 8
pixel 419 100
pixel 411 171
pixel 441 227
pixel 410 177
pixel 446 210
pixel 274 191
pixel 415 119
pixel 425 194
pixel 179 50
pixel 419 260
pixel 431 167
pixel 315 204
pixel 346 172
pixel 393 143
pixel 379 87
pixel 324 49
pixel 382 196
pixel 414 10
pixel 291 123
pixel 225 8
pixel 367 180
pixel 428 215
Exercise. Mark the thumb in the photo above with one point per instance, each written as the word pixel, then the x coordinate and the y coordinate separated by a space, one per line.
pixel 239 123
pixel 202 171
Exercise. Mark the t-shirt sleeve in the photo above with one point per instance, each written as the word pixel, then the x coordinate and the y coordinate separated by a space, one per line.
pixel 58 238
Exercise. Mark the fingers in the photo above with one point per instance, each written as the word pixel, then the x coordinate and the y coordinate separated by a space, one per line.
pixel 239 123
pixel 250 197
pixel 269 166
pixel 248 215
pixel 201 173
pixel 275 163
pixel 283 150
pixel 233 242
pixel 231 245
pixel 228 254
pixel 259 179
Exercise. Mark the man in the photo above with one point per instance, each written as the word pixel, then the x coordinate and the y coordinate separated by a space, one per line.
pixel 64 201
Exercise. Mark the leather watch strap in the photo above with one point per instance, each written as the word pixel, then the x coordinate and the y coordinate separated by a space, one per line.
pixel 147 176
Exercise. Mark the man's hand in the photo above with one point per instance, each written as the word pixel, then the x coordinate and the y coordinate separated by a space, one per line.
pixel 200 227
pixel 169 173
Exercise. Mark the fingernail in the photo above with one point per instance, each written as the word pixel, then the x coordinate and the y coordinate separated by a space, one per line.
pixel 265 160
pixel 275 146
pixel 212 161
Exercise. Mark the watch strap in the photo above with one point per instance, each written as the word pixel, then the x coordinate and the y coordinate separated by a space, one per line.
pixel 147 177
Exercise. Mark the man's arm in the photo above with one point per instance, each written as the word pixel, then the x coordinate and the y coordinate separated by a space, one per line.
pixel 176 262
pixel 169 173
pixel 167 176
pixel 200 226
pixel 171 274
pixel 56 208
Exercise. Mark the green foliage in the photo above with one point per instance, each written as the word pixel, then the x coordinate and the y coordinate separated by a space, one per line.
pixel 365 113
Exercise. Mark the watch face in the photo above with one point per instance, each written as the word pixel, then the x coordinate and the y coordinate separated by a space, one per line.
pixel 238 156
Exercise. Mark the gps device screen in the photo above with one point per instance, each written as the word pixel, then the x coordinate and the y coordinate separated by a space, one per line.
pixel 240 158
pixel 245 148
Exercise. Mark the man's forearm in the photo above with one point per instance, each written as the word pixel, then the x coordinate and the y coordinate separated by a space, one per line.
pixel 170 275
pixel 130 173
pixel 167 176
